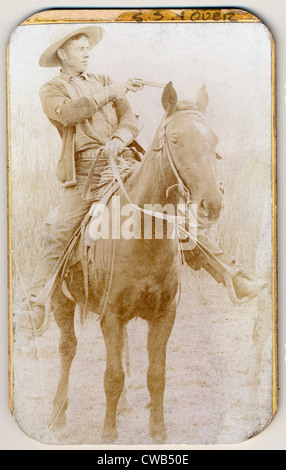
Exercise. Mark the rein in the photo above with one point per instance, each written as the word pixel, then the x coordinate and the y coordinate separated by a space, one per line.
pixel 158 215
pixel 180 184
pixel 176 220
pixel 185 192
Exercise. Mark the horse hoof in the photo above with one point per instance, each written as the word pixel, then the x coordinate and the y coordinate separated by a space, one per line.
pixel 159 436
pixel 109 435
pixel 56 423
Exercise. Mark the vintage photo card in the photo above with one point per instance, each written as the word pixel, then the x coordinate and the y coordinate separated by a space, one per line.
pixel 142 226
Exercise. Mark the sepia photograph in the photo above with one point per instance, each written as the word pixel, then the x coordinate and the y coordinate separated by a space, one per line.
pixel 142 227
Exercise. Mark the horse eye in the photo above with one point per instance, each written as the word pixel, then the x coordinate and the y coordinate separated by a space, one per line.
pixel 174 140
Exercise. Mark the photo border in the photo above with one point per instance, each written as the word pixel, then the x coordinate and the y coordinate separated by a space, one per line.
pixel 156 15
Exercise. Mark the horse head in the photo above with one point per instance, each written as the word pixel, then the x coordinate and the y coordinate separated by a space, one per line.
pixel 191 146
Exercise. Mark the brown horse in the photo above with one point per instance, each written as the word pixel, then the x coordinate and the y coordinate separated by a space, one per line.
pixel 139 277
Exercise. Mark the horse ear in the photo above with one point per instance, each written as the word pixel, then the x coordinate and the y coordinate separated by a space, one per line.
pixel 202 100
pixel 169 98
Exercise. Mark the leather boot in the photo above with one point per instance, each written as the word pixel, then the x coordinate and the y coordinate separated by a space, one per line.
pixel 222 267
pixel 247 288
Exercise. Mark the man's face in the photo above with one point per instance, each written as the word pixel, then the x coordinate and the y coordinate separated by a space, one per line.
pixel 74 55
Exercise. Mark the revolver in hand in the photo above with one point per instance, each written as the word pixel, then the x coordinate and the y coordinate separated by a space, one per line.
pixel 136 84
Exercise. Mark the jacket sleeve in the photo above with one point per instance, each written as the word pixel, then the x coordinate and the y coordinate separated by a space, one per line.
pixel 128 127
pixel 59 107
pixel 128 124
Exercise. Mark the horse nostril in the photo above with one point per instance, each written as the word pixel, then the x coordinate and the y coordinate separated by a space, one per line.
pixel 211 209
pixel 204 206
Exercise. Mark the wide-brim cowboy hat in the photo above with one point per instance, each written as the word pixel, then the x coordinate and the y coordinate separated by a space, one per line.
pixel 50 58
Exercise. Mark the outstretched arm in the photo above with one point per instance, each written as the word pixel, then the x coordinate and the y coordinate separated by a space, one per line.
pixel 59 107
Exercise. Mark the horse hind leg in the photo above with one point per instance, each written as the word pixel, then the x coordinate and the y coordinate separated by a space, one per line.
pixel 114 375
pixel 158 336
pixel 64 310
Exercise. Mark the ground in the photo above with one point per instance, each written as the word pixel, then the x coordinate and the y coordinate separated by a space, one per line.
pixel 218 391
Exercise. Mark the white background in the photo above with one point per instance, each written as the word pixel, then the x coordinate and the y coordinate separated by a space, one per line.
pixel 273 13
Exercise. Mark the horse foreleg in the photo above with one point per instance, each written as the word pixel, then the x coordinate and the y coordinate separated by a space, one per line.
pixel 64 316
pixel 158 335
pixel 114 375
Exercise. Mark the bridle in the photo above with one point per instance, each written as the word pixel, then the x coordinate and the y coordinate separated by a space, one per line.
pixel 182 188
pixel 164 143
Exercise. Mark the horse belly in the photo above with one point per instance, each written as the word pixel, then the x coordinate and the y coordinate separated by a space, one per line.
pixel 147 294
pixel 132 284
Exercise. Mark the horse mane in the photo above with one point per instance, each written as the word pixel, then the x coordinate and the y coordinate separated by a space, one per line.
pixel 185 105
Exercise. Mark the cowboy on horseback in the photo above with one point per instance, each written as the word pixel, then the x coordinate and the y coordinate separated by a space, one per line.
pixel 91 112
